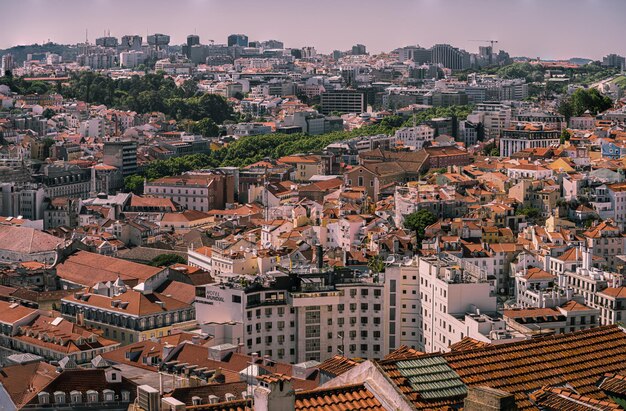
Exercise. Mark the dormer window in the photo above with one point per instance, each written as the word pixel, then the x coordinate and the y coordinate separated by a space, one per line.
pixel 44 398
pixel 92 396
pixel 59 397
pixel 109 395
pixel 76 397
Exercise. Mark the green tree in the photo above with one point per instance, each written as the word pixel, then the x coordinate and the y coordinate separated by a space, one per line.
pixel 418 221
pixel 376 264
pixel 583 100
pixel 165 260
pixel 530 212
pixel 206 127
pixel 134 184
pixel 565 136
pixel 48 113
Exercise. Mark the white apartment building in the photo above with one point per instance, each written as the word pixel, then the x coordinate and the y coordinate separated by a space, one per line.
pixel 415 137
pixel 292 318
pixel 535 287
pixel 589 282
pixel 94 127
pixel 494 116
pixel 434 302
pixel 606 241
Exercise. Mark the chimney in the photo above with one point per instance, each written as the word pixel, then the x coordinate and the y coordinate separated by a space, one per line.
pixel 319 254
pixel 274 392
pixel 255 357
pixel 489 399
pixel 267 360
pixel 167 349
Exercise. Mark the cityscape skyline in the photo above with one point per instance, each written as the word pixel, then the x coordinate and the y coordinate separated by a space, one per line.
pixel 549 39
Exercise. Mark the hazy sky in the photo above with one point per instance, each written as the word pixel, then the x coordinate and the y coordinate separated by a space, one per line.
pixel 545 28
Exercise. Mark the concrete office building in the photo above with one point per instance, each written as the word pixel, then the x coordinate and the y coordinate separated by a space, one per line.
pixel 523 136
pixel 6 64
pixel 192 40
pixel 131 42
pixel 614 60
pixel 494 117
pixel 343 101
pixel 450 57
pixel 121 154
pixel 107 41
pixel 313 315
pixel 238 40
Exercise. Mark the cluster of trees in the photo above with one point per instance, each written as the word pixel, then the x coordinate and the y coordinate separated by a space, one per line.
pixel 250 149
pixel 21 86
pixel 457 112
pixel 148 93
pixel 165 260
pixel 582 100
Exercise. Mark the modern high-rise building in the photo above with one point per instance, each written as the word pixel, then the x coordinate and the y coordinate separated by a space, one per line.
pixel 450 57
pixel 358 49
pixel 107 41
pixel 485 53
pixel 131 42
pixel 614 60
pixel 6 64
pixel 121 154
pixel 238 40
pixel 158 40
pixel 273 44
pixel 343 101
pixel 192 40
pixel 417 54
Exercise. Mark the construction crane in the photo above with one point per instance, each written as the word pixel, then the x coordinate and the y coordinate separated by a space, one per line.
pixel 492 42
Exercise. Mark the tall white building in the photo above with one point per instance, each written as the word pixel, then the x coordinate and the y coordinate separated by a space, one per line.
pixel 434 302
pixel 6 64
pixel 415 137
pixel 296 318
pixel 494 116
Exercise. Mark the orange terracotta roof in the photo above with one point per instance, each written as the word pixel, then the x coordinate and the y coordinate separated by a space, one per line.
pixel 578 359
pixel 102 268
pixel 347 397
pixel 615 292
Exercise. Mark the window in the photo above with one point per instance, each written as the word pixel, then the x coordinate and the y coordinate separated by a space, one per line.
pixel 92 396
pixel 44 397
pixel 76 397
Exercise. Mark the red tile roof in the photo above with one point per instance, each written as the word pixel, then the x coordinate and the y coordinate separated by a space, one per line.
pixel 579 359
pixel 347 397
pixel 102 268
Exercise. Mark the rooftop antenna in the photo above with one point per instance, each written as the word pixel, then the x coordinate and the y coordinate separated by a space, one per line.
pixel 86 36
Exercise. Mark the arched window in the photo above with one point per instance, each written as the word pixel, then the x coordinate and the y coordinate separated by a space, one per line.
pixel 59 397
pixel 76 397
pixel 44 397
